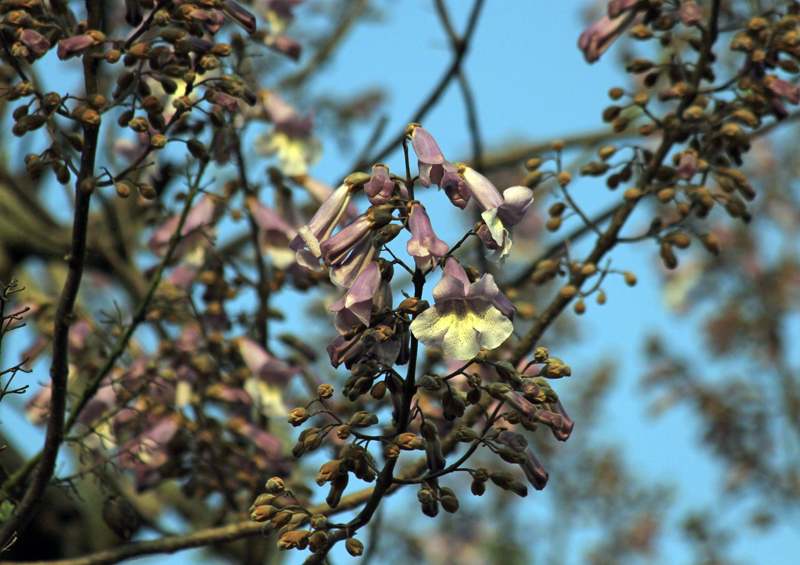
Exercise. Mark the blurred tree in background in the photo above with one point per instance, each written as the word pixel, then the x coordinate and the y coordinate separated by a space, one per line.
pixel 177 282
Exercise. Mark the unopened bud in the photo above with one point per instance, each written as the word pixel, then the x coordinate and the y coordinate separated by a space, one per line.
pixel 632 194
pixel 298 416
pixel 533 163
pixel 343 431
pixel 568 291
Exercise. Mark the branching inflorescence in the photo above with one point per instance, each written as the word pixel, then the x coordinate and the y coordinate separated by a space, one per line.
pixel 201 405
pixel 469 320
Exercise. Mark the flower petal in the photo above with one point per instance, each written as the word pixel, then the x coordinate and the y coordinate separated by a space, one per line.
pixel 517 200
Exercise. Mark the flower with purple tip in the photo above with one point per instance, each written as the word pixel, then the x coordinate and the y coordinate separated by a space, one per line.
pixel 599 37
pixel 36 42
pixel 74 46
pixel 380 187
pixel 783 88
pixel 309 237
pixel 501 213
pixel 435 169
pixel 689 13
pixel 533 470
pixel 426 248
pixel 355 307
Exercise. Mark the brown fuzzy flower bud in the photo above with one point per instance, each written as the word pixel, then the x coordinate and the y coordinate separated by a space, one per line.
pixel 391 451
pixel 363 419
pixel 430 382
pixel 580 307
pixel 595 169
pixel 354 547
pixel 679 240
pixel 343 431
pixel 632 194
pixel 606 152
pixel 298 416
pixel 620 124
pixel 449 503
pixel 532 179
pixel 533 163
pixel 410 441
pixel 668 256
pixel 294 539
pixel 611 113
pixel 564 178
pixel 158 141
pixel 639 66
pixel 317 540
pixel 329 471
pixel 275 485
pixel 506 371
pixel 498 390
pixel 568 291
pixel 710 242
pixel 263 513
pixel 616 93
pixel 665 195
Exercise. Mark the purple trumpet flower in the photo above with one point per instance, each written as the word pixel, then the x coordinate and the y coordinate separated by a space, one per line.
pixel 74 46
pixel 784 89
pixel 355 307
pixel 320 228
pixel 501 213
pixel 379 189
pixel 424 246
pixel 687 166
pixel 567 424
pixel 689 13
pixel 344 273
pixel 238 14
pixel 274 234
pixel 290 138
pixel 464 318
pixel 599 37
pixel 533 470
pixel 36 42
pixel 521 406
pixel 197 228
pixel 263 365
pixel 285 45
pixel 371 344
pixel 435 169
pixel 335 249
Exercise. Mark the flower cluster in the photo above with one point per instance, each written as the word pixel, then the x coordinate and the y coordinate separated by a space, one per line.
pixel 467 324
